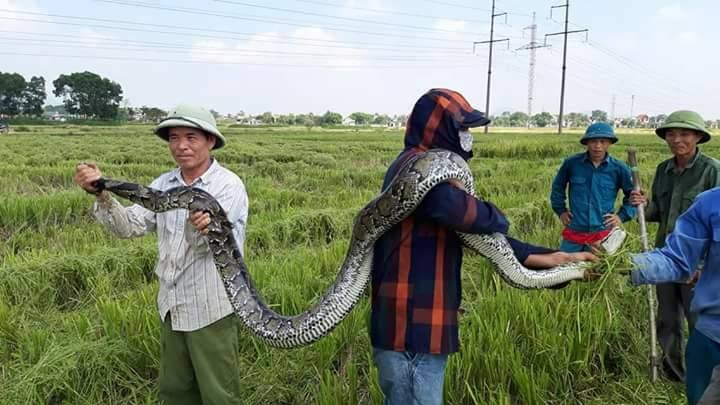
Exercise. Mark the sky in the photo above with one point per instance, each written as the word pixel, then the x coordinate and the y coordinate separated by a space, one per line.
pixel 377 56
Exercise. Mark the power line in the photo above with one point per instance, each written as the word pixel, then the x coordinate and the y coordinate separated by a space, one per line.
pixel 206 51
pixel 451 4
pixel 657 103
pixel 588 84
pixel 157 44
pixel 591 85
pixel 491 42
pixel 467 7
pixel 320 66
pixel 669 82
pixel 564 65
pixel 628 62
pixel 631 82
pixel 308 13
pixel 200 31
pixel 532 46
pixel 388 12
pixel 544 71
pixel 195 11
pixel 626 81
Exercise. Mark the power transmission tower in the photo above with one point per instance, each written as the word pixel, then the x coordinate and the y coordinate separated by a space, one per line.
pixel 564 64
pixel 532 46
pixel 491 42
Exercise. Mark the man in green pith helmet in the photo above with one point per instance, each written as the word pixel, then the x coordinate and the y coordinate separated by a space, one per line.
pixel 677 182
pixel 199 353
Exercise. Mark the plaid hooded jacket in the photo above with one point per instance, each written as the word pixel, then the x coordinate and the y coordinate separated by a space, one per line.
pixel 416 265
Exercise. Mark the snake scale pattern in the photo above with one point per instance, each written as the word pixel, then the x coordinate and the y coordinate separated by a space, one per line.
pixel 408 188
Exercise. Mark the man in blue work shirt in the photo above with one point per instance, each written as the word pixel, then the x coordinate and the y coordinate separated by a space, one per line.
pixel 696 237
pixel 592 180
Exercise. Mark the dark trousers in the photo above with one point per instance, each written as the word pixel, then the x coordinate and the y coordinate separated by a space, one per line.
pixel 712 391
pixel 673 308
pixel 200 367
pixel 703 355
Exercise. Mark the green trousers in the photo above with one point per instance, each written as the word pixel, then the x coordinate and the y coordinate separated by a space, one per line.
pixel 202 366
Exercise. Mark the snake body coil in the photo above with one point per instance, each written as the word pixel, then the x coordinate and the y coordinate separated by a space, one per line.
pixel 418 176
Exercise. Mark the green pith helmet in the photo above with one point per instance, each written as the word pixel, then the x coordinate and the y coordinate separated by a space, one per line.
pixel 684 119
pixel 190 116
pixel 599 130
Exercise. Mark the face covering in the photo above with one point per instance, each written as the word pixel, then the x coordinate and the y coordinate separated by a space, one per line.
pixel 466 140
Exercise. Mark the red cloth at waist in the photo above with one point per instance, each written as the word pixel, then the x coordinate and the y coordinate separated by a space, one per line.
pixel 584 238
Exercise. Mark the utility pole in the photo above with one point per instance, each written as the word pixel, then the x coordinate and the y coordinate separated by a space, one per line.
pixel 564 64
pixel 612 111
pixel 632 106
pixel 532 46
pixel 491 42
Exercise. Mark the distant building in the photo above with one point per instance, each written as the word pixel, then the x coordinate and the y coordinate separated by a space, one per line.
pixel 248 120
pixel 396 124
pixel 56 116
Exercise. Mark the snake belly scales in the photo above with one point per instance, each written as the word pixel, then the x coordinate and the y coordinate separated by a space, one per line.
pixel 420 174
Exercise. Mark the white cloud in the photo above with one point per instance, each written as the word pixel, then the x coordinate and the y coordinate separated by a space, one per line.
pixel 674 12
pixel 373 4
pixel 93 38
pixel 8 24
pixel 688 36
pixel 449 29
pixel 26 5
pixel 304 46
pixel 445 25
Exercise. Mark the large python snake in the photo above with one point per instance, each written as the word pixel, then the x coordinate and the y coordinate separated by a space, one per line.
pixel 420 174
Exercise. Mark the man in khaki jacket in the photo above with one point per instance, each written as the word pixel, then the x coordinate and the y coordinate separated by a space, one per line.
pixel 677 182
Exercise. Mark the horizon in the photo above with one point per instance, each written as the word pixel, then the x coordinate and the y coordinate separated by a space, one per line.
pixel 377 56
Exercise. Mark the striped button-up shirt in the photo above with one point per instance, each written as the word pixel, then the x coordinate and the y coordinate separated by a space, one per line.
pixel 191 289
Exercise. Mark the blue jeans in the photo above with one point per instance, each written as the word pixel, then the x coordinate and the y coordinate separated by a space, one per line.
pixel 408 378
pixel 570 247
pixel 712 392
pixel 702 355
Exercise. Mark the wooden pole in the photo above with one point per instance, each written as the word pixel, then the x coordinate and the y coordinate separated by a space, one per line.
pixel 632 161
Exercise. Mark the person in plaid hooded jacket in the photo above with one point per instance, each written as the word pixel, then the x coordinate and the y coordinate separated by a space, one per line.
pixel 416 265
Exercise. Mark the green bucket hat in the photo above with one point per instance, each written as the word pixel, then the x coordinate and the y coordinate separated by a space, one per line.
pixel 599 130
pixel 684 119
pixel 190 116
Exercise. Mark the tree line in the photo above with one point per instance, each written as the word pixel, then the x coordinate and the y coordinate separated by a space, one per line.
pixel 310 119
pixel 18 96
pixel 87 95
pixel 581 120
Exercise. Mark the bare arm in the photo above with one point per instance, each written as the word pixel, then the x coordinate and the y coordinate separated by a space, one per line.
pixel 124 222
pixel 547 260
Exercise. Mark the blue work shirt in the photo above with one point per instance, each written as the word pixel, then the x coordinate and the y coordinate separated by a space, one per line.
pixel 696 238
pixel 592 191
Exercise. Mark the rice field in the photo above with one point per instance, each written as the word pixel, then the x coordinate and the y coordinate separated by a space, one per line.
pixel 78 320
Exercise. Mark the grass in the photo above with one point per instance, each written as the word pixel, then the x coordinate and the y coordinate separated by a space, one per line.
pixel 78 323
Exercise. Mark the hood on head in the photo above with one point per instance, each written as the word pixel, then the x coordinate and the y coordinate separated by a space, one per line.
pixel 436 119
